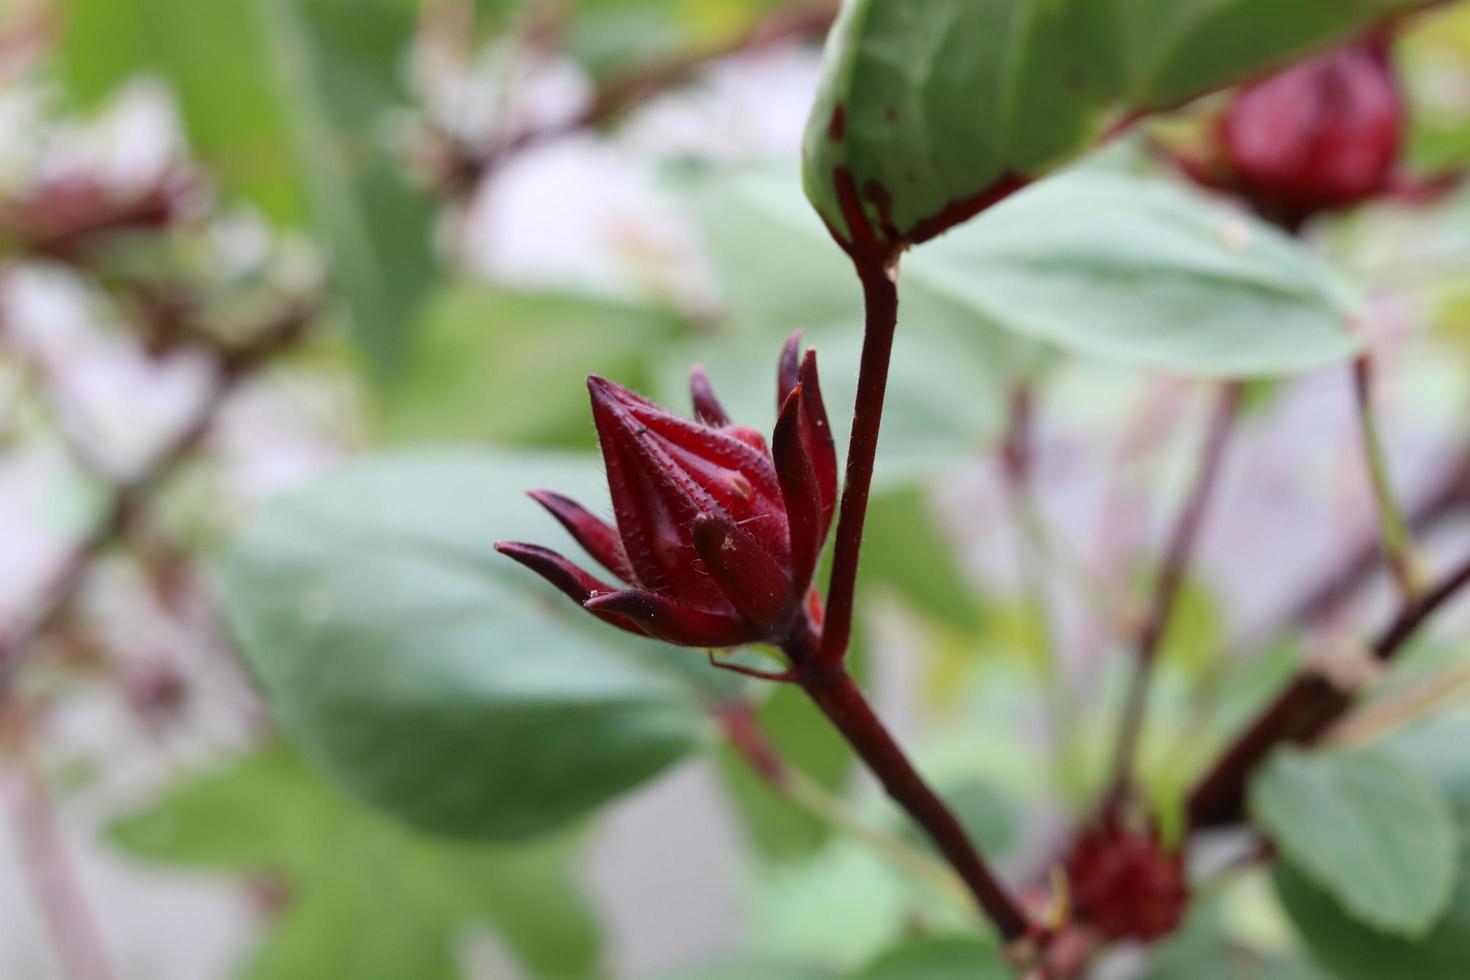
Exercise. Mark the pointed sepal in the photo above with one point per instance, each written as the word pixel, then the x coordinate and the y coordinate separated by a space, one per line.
pixel 595 535
pixel 707 407
pixel 758 588
pixel 664 619
pixel 574 582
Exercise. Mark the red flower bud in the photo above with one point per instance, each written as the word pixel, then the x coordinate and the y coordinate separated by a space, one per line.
pixel 716 536
pixel 1324 134
pixel 62 214
pixel 1123 882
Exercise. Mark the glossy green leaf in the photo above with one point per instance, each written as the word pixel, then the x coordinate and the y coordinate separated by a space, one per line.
pixel 1099 262
pixel 363 898
pixel 214 56
pixel 1374 833
pixel 939 959
pixel 497 366
pixel 334 72
pixel 435 678
pixel 927 107
pixel 1437 747
pixel 1352 950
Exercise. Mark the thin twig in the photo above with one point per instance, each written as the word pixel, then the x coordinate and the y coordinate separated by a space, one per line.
pixel 1394 534
pixel 624 93
pixel 1033 551
pixel 125 497
pixel 1309 706
pixel 744 735
pixel 1171 578
pixel 59 897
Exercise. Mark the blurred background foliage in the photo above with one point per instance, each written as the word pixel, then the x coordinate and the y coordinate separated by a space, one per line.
pixel 245 239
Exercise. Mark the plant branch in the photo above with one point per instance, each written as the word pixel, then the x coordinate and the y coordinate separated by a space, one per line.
pixel 1171 578
pixel 1033 549
pixel 1303 712
pixel 880 295
pixel 127 496
pixel 620 94
pixel 1395 537
pixel 744 735
pixel 834 692
pixel 59 897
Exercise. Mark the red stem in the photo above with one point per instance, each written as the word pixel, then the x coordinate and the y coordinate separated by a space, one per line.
pixel 1171 579
pixel 880 294
pixel 58 894
pixel 833 690
pixel 1308 707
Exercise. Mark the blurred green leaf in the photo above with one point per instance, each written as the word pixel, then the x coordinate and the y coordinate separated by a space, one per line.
pixel 929 105
pixel 1352 950
pixel 507 367
pixel 1437 747
pixel 906 549
pixel 779 828
pixel 1202 950
pixel 334 72
pixel 611 37
pixel 1099 262
pixel 746 969
pixel 1373 832
pixel 940 405
pixel 437 679
pixel 953 958
pixel 364 898
pixel 1136 270
pixel 215 58
pixel 985 814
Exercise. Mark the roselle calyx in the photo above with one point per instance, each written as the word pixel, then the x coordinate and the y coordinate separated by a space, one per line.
pixel 1125 883
pixel 1325 134
pixel 716 536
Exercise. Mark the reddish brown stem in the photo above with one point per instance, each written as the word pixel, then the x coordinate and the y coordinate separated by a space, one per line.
pixel 59 897
pixel 1171 578
pixel 834 692
pixel 880 294
pixel 1308 707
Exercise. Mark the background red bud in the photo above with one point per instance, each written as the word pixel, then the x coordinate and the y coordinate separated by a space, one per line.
pixel 1324 134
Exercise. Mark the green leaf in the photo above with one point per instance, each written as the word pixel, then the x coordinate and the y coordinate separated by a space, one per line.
pixel 1203 950
pixel 780 829
pixel 745 969
pixel 1352 950
pixel 940 406
pixel 939 959
pixel 363 898
pixel 1437 748
pixel 333 72
pixel 930 106
pixel 497 366
pixel 905 548
pixel 215 58
pixel 1135 270
pixel 613 37
pixel 1370 830
pixel 435 678
pixel 1098 262
pixel 985 814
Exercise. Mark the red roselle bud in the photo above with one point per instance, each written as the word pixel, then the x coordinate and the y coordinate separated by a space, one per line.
pixel 716 536
pixel 62 214
pixel 1324 134
pixel 1124 883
